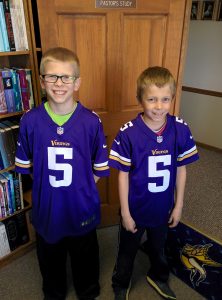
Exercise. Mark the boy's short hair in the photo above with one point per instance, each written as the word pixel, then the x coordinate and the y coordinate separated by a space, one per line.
pixel 158 76
pixel 62 55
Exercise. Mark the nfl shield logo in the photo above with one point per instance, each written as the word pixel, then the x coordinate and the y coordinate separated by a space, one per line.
pixel 159 139
pixel 60 130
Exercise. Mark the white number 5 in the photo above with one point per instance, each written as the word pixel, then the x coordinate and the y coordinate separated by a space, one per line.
pixel 66 168
pixel 153 172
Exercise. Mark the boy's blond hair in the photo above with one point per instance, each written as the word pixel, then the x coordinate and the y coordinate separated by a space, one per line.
pixel 62 55
pixel 158 76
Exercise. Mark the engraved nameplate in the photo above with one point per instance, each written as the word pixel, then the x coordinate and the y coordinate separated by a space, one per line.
pixel 115 3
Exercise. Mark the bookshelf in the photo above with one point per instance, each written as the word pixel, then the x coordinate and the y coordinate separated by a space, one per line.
pixel 27 59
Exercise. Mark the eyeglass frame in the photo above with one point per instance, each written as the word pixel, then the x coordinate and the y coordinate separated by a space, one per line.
pixel 59 77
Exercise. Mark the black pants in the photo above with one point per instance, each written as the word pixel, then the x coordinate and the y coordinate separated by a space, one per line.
pixel 128 246
pixel 84 256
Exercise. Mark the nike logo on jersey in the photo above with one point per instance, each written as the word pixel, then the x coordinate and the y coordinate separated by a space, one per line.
pixel 18 144
pixel 118 142
pixel 191 137
pixel 104 146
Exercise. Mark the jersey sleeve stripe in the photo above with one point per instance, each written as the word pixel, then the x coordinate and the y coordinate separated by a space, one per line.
pixel 23 163
pixel 187 154
pixel 123 160
pixel 100 168
pixel 101 164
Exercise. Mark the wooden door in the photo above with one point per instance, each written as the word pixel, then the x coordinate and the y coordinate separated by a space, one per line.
pixel 114 45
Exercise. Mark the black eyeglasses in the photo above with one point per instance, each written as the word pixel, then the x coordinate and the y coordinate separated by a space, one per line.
pixel 53 78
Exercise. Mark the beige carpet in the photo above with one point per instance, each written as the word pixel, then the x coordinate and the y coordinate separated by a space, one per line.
pixel 21 280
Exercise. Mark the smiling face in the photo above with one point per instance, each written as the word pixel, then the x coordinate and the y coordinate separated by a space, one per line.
pixel 60 94
pixel 156 103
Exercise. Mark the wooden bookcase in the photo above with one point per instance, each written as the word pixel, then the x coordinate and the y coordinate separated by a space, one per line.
pixel 24 59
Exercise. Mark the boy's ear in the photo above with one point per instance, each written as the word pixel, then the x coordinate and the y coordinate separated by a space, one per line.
pixel 77 84
pixel 42 83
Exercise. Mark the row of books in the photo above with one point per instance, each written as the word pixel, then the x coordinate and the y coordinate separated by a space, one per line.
pixel 8 139
pixel 11 193
pixel 13 233
pixel 13 34
pixel 16 93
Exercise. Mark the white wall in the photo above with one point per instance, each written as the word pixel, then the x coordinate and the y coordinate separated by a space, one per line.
pixel 203 69
pixel 204 116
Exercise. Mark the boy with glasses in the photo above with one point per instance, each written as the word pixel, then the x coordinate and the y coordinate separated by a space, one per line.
pixel 61 143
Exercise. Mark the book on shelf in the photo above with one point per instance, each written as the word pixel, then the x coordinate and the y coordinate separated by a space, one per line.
pixel 4 244
pixel 2 47
pixel 3 27
pixel 9 144
pixel 2 202
pixel 8 21
pixel 16 89
pixel 11 200
pixel 3 149
pixel 14 125
pixel 17 181
pixel 24 85
pixel 8 89
pixel 17 230
pixel 18 24
pixel 29 80
pixel 4 184
pixel 3 106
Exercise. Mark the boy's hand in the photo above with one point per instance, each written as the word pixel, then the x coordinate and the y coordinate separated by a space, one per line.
pixel 175 217
pixel 129 224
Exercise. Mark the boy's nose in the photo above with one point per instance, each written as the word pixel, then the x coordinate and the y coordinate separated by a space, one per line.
pixel 59 81
pixel 158 104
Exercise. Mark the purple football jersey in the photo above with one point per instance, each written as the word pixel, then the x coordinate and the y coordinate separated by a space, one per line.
pixel 63 160
pixel 152 162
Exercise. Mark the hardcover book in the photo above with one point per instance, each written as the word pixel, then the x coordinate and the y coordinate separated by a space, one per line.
pixel 8 89
pixel 9 28
pixel 3 27
pixel 18 190
pixel 2 202
pixel 9 144
pixel 24 87
pixel 3 106
pixel 4 183
pixel 4 244
pixel 17 231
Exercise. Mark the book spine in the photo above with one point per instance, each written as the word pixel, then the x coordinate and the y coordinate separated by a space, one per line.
pixel 3 27
pixel 5 160
pixel 2 47
pixel 24 88
pixel 17 186
pixel 12 233
pixel 8 21
pixel 15 23
pixel 8 90
pixel 4 244
pixel 5 193
pixel 22 28
pixel 2 202
pixel 11 194
pixel 29 80
pixel 3 105
pixel 9 143
pixel 16 90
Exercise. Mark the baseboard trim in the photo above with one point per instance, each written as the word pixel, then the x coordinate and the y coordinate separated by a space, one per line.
pixel 208 147
pixel 202 232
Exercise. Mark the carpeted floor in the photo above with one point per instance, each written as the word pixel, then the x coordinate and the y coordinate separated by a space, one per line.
pixel 21 279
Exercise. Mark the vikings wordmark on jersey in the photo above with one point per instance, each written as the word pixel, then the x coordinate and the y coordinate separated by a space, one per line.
pixel 63 161
pixel 152 165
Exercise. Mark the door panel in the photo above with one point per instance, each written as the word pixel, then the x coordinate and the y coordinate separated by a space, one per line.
pixel 114 46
